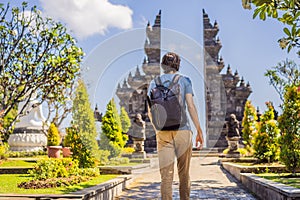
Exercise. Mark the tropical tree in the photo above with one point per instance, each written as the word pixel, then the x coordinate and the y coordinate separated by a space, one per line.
pixel 285 11
pixel 265 140
pixel 249 124
pixel 289 124
pixel 59 109
pixel 125 120
pixel 83 121
pixel 111 137
pixel 37 57
pixel 284 74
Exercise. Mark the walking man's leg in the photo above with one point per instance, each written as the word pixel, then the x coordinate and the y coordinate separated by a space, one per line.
pixel 166 155
pixel 183 149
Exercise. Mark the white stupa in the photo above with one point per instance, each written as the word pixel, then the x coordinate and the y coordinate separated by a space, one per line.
pixel 28 134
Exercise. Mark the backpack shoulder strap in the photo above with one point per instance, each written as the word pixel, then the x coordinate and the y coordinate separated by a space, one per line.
pixel 157 81
pixel 175 80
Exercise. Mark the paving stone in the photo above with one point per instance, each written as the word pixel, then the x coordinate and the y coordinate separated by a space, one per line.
pixel 208 181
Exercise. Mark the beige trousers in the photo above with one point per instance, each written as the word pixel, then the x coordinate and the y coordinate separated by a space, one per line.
pixel 171 144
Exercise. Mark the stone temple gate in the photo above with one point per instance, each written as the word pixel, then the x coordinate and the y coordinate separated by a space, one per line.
pixel 225 93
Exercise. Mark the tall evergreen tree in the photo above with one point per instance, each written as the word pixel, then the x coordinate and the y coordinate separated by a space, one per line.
pixel 112 138
pixel 266 139
pixel 289 123
pixel 83 119
pixel 125 120
pixel 249 124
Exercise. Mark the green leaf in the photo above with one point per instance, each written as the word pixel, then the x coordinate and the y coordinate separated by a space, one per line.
pixel 275 13
pixel 262 15
pixel 256 12
pixel 289 48
pixel 294 30
pixel 287 31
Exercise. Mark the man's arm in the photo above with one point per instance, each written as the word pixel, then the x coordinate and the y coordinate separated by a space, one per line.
pixel 194 116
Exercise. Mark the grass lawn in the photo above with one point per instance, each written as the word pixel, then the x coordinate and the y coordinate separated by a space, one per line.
pixel 17 163
pixel 8 185
pixel 124 165
pixel 275 164
pixel 282 178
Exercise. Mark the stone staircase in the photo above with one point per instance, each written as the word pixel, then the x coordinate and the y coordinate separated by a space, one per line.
pixel 205 152
pixel 208 152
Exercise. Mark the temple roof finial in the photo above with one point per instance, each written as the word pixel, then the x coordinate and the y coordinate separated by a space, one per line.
pixel 229 70
pixel 216 24
pixel 242 83
pixel 236 73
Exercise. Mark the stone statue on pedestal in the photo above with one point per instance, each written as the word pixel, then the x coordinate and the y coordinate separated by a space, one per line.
pixel 138 136
pixel 233 136
pixel 28 133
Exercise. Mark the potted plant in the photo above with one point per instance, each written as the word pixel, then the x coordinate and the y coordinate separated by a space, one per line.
pixel 53 141
pixel 67 143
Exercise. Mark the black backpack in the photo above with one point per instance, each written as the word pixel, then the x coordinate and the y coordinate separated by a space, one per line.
pixel 166 105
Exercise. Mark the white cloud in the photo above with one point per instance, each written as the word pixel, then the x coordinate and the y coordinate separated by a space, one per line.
pixel 89 17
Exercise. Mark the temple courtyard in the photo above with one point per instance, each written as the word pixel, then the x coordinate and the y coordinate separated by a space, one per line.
pixel 208 181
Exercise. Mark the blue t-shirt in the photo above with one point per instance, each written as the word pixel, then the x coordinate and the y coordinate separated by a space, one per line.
pixel 185 88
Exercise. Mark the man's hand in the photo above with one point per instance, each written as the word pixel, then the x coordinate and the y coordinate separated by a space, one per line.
pixel 199 140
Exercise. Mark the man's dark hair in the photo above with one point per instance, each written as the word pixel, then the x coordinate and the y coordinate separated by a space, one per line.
pixel 170 62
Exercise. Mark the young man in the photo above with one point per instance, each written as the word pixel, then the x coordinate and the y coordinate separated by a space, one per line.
pixel 178 142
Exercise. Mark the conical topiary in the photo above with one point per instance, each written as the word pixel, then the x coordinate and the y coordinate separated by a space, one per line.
pixel 53 138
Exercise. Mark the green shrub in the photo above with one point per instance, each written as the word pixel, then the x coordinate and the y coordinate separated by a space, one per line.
pixel 113 148
pixel 127 150
pixel 53 137
pixel 52 182
pixel 225 151
pixel 79 150
pixel 67 139
pixel 119 161
pixel 4 151
pixel 102 156
pixel 20 154
pixel 265 141
pixel 90 172
pixel 54 168
pixel 243 151
pixel 54 172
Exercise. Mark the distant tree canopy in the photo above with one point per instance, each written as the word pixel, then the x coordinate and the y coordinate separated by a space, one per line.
pixel 37 56
pixel 285 11
pixel 288 12
pixel 286 73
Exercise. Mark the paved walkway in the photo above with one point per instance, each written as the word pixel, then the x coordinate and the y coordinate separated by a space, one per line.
pixel 209 181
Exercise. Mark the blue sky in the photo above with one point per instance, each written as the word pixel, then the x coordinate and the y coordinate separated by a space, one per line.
pixel 249 46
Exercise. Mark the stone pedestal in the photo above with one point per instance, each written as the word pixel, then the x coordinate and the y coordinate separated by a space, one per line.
pixel 27 140
pixel 233 145
pixel 141 154
pixel 138 145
